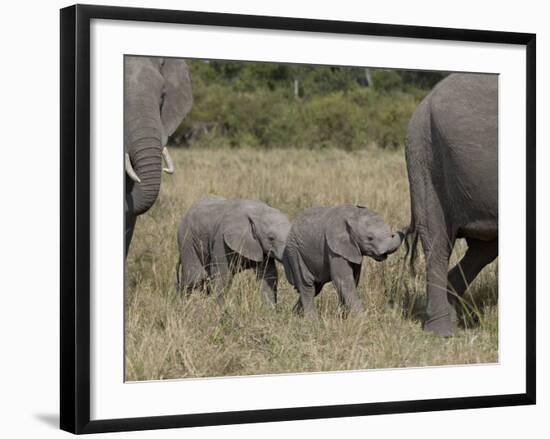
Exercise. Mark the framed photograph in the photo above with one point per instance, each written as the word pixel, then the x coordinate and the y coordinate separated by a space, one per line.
pixel 268 219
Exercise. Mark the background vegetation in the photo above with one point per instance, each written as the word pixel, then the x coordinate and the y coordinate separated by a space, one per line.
pixel 264 105
pixel 168 336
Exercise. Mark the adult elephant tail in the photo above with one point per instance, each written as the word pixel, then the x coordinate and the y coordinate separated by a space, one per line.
pixel 411 244
pixel 179 276
pixel 418 134
pixel 411 231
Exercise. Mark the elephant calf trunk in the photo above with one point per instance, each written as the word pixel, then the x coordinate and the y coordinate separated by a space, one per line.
pixel 395 242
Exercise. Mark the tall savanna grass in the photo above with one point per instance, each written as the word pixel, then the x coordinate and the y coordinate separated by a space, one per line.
pixel 168 336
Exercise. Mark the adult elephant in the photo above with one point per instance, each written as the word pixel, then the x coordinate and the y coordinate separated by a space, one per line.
pixel 452 163
pixel 157 97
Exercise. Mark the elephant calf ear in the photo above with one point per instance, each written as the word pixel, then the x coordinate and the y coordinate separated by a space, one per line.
pixel 239 237
pixel 340 241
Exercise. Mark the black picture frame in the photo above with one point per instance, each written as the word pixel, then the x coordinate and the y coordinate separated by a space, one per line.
pixel 75 217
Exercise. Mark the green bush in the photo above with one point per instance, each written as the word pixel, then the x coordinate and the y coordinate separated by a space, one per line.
pixel 252 104
pixel 388 115
pixel 332 121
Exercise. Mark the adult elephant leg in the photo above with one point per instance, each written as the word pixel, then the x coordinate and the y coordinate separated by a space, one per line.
pixel 437 250
pixel 266 273
pixel 130 224
pixel 478 255
pixel 318 287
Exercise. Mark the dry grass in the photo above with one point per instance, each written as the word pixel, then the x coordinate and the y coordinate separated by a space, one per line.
pixel 171 337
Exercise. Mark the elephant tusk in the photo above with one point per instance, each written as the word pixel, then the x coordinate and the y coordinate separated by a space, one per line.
pixel 168 160
pixel 129 169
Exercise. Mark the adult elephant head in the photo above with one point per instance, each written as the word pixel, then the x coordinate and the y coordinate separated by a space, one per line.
pixel 157 96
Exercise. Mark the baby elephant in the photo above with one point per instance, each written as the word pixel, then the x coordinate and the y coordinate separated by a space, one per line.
pixel 327 244
pixel 218 238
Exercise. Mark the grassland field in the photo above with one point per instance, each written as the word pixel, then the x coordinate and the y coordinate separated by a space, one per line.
pixel 167 336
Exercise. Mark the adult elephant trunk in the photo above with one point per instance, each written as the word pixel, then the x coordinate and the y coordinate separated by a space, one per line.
pixel 143 166
pixel 146 162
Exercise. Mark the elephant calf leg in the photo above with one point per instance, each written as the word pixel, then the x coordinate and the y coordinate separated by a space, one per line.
pixel 190 271
pixel 191 280
pixel 306 301
pixel 268 278
pixel 221 277
pixel 345 280
pixel 298 308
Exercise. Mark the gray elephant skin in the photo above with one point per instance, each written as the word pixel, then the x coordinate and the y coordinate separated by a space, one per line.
pixel 157 97
pixel 327 243
pixel 452 163
pixel 219 237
